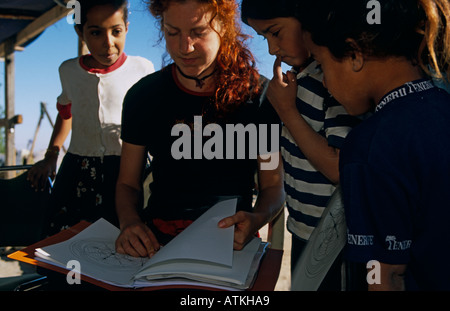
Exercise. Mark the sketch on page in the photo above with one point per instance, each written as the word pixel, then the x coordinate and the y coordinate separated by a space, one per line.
pixel 102 252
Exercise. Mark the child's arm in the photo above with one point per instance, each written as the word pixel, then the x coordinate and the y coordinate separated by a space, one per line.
pixel 282 93
pixel 60 132
pixel 45 168
pixel 391 278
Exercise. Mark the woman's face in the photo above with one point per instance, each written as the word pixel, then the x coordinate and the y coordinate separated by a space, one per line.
pixel 284 38
pixel 190 40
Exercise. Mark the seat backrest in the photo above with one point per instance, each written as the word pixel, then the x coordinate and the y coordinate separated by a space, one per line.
pixel 22 211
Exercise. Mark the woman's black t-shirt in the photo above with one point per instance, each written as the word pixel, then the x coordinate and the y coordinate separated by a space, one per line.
pixel 168 119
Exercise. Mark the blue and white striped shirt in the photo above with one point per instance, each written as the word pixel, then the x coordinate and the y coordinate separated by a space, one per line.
pixel 308 190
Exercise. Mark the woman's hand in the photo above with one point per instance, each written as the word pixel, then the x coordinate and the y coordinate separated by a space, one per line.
pixel 246 225
pixel 269 203
pixel 137 240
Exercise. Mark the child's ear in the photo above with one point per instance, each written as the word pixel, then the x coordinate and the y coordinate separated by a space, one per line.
pixel 126 26
pixel 79 33
pixel 357 57
pixel 358 61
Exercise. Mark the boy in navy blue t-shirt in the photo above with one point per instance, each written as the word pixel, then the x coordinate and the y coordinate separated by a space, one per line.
pixel 394 166
pixel 398 210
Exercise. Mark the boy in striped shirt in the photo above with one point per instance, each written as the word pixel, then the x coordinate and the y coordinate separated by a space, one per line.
pixel 314 124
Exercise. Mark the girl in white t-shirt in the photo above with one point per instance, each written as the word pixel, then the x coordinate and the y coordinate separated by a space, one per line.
pixel 90 106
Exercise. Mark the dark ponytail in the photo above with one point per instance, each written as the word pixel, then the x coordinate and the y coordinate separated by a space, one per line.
pixel 268 9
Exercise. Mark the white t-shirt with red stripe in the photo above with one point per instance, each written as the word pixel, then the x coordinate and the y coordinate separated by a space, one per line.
pixel 95 97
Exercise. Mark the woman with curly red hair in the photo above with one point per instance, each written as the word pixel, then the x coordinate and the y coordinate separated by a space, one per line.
pixel 211 85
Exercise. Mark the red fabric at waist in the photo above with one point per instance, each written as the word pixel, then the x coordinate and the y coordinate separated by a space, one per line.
pixel 171 227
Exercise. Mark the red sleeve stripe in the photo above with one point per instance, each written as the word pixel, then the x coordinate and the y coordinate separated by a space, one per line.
pixel 64 110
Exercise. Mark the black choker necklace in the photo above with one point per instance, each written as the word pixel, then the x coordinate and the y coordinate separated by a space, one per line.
pixel 199 82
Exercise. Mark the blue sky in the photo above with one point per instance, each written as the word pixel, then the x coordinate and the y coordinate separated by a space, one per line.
pixel 37 78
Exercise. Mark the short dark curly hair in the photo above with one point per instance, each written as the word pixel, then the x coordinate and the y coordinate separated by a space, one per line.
pixel 87 5
pixel 416 29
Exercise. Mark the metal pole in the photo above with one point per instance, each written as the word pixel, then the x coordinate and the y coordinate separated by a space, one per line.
pixel 10 150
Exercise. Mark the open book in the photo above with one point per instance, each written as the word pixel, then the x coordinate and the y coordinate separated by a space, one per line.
pixel 202 254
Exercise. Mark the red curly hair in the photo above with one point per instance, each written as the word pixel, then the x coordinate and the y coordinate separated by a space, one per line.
pixel 237 79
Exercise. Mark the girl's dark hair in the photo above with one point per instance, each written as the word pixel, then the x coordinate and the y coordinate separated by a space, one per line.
pixel 415 29
pixel 87 5
pixel 268 9
pixel 237 79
